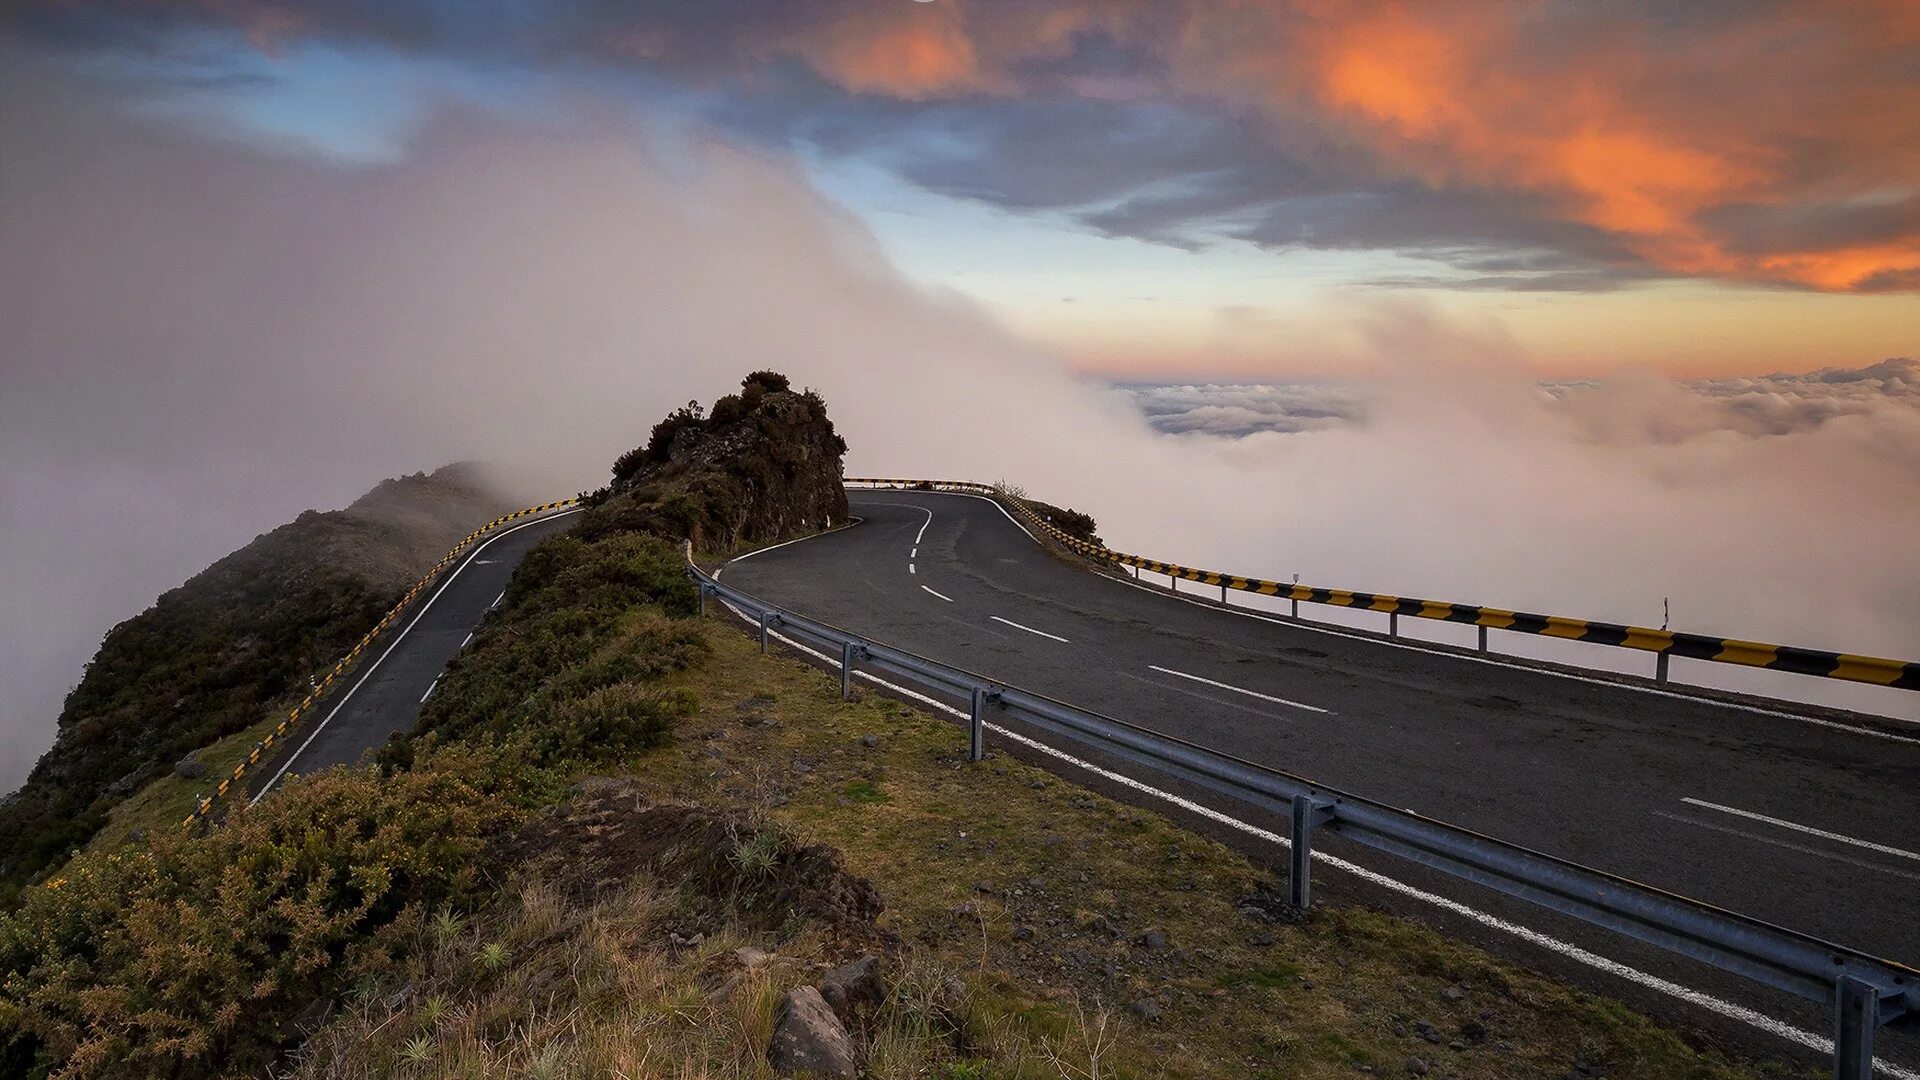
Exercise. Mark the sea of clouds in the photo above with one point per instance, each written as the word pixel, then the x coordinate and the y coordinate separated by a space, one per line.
pixel 1645 409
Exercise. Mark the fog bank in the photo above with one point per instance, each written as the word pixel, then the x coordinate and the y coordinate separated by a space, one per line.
pixel 202 338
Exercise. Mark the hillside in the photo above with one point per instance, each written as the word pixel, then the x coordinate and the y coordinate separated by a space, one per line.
pixel 621 842
pixel 208 657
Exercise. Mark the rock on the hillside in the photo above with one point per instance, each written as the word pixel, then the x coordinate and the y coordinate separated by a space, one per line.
pixel 855 988
pixel 190 767
pixel 809 1039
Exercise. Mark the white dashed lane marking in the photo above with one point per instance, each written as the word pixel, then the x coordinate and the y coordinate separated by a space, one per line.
pixel 1238 689
pixel 1808 829
pixel 1030 629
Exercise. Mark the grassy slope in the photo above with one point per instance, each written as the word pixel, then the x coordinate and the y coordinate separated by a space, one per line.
pixel 1031 890
pixel 1064 865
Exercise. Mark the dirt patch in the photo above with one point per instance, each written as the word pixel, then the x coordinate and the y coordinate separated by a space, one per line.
pixel 725 865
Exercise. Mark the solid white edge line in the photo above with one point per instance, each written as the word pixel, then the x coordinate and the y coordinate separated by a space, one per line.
pixel 942 596
pixel 394 644
pixel 1320 628
pixel 1237 689
pixel 468 640
pixel 430 689
pixel 1808 829
pixel 1728 1009
pixel 497 599
pixel 770 547
pixel 1030 629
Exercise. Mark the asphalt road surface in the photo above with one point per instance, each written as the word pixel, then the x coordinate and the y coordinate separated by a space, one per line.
pixel 1790 817
pixel 384 697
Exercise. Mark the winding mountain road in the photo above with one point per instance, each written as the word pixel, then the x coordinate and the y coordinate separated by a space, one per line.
pixel 1791 816
pixel 384 697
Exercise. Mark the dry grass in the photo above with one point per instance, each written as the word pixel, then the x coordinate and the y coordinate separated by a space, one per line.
pixel 1043 891
pixel 546 985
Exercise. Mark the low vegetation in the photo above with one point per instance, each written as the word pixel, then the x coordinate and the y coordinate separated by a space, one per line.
pixel 188 955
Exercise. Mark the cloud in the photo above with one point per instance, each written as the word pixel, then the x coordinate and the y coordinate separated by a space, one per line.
pixel 1754 142
pixel 1623 410
pixel 206 337
pixel 1241 409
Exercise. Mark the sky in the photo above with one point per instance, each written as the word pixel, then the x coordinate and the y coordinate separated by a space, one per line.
pixel 1571 308
pixel 1169 189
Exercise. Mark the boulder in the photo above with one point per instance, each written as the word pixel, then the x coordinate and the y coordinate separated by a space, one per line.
pixel 855 989
pixel 190 767
pixel 808 1039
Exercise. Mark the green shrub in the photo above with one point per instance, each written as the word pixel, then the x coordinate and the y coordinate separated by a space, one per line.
pixel 189 957
pixel 612 722
pixel 580 618
pixel 771 382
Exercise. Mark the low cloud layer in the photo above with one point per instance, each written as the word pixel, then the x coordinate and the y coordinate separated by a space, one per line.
pixel 1626 411
pixel 1234 410
pixel 203 339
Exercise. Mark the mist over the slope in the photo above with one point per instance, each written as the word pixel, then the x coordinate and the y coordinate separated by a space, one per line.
pixel 202 338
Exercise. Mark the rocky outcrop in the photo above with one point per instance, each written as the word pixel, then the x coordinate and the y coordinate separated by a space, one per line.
pixel 763 465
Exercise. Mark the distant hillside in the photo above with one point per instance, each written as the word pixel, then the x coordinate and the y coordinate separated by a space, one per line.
pixel 764 465
pixel 209 656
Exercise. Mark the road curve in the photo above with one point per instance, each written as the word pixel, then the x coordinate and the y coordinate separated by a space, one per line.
pixel 384 697
pixel 1788 819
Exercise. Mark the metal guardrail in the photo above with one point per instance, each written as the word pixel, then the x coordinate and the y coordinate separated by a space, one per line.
pixel 203 804
pixel 1852 667
pixel 1865 992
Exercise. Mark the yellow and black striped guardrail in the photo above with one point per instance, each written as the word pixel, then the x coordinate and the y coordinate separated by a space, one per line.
pixel 1902 674
pixel 320 687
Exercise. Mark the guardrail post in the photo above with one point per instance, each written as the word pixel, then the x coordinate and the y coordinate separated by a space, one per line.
pixel 846 670
pixel 1296 607
pixel 1483 639
pixel 1223 594
pixel 1393 624
pixel 1856 1016
pixel 703 599
pixel 1660 667
pixel 764 617
pixel 1307 814
pixel 977 724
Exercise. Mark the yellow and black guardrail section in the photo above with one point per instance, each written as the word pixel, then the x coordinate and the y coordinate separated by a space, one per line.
pixel 1901 674
pixel 320 687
